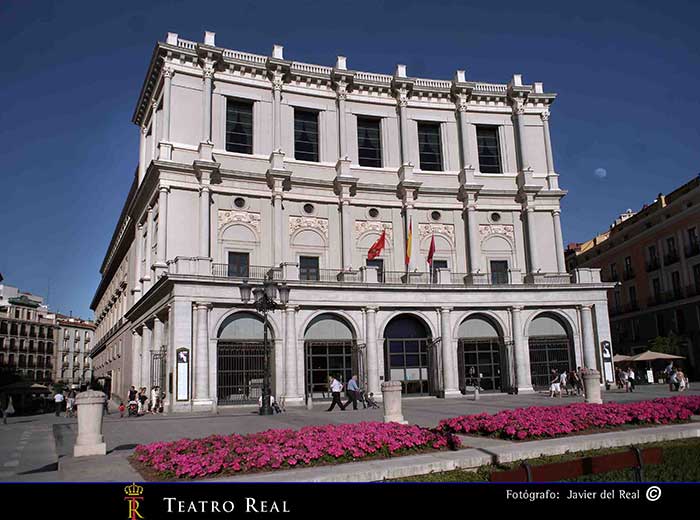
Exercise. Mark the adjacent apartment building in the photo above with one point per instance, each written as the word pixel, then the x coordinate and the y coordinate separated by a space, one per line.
pixel 653 258
pixel 255 168
pixel 74 365
pixel 27 335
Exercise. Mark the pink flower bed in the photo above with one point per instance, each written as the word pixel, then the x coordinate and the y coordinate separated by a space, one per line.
pixel 283 449
pixel 555 421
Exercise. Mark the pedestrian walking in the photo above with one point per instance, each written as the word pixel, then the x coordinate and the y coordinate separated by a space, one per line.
pixel 562 382
pixel 630 378
pixel 554 384
pixel 353 392
pixel 58 402
pixel 4 405
pixel 154 399
pixel 668 372
pixel 335 387
pixel 122 408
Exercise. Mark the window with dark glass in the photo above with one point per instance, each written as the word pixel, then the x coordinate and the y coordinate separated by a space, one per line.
pixel 676 283
pixel 238 264
pixel 656 284
pixel 671 246
pixel 369 142
pixel 499 271
pixel 379 264
pixel 680 321
pixel 696 277
pixel 660 325
pixel 613 272
pixel 308 268
pixel 633 295
pixel 305 135
pixel 429 146
pixel 239 126
pixel 489 149
pixel 437 264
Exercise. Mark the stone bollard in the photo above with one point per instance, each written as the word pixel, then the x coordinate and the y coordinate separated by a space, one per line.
pixel 90 440
pixel 391 392
pixel 309 403
pixel 591 386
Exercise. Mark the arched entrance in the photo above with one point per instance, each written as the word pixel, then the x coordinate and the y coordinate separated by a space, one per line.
pixel 330 349
pixel 240 356
pixel 482 355
pixel 410 356
pixel 550 348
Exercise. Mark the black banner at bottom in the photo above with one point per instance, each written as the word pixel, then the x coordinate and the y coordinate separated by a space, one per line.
pixel 146 501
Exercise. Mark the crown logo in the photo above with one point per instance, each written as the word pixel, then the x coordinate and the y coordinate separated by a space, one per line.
pixel 134 490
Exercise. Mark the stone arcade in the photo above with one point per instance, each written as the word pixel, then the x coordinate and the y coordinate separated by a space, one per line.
pixel 259 167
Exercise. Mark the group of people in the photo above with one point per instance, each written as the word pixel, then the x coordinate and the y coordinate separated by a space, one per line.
pixel 144 403
pixel 569 381
pixel 625 379
pixel 354 392
pixel 677 380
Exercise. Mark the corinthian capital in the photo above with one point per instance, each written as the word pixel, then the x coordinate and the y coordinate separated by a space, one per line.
pixel 461 103
pixel 518 106
pixel 402 97
pixel 341 88
pixel 545 115
pixel 168 72
pixel 277 79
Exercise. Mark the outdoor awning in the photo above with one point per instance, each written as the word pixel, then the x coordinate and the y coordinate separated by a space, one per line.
pixel 621 357
pixel 650 355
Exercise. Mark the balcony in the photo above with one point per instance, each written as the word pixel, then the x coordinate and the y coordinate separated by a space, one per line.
pixel 692 249
pixel 671 258
pixel 628 274
pixel 653 264
pixel 372 275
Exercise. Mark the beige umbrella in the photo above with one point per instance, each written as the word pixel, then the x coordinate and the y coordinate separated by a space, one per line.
pixel 621 357
pixel 650 355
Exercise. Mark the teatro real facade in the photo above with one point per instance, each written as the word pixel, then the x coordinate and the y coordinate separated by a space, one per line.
pixel 254 167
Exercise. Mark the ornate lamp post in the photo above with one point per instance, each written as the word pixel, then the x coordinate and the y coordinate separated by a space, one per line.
pixel 264 302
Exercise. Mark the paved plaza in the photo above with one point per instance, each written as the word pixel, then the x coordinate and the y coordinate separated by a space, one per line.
pixel 32 446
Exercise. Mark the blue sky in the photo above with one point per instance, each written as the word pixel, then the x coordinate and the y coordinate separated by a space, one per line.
pixel 624 128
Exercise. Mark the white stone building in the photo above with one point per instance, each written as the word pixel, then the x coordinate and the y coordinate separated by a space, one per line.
pixel 258 166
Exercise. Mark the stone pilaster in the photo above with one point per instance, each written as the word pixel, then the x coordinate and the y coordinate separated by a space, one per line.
pixel 372 353
pixel 520 352
pixel 142 153
pixel 165 146
pixel 154 129
pixel 161 266
pixel 589 357
pixel 559 242
pixel 449 368
pixel 552 177
pixel 202 400
pixel 146 346
pixel 292 394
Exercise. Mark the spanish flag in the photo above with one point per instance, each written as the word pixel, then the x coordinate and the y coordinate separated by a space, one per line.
pixel 409 241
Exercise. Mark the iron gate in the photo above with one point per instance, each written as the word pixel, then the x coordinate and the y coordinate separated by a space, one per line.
pixel 547 353
pixel 482 363
pixel 240 371
pixel 158 368
pixel 339 359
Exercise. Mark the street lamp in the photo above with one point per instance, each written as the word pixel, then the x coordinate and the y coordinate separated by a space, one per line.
pixel 264 302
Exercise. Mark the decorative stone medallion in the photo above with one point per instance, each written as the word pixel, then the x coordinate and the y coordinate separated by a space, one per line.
pixel 229 216
pixel 318 224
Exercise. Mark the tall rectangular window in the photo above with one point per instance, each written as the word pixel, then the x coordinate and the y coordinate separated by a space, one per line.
pixel 499 272
pixel 437 264
pixel 239 126
pixel 238 264
pixel 305 135
pixel 429 146
pixel 369 142
pixel 489 149
pixel 633 295
pixel 308 268
pixel 379 264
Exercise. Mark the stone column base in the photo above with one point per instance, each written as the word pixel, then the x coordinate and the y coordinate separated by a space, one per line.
pixel 89 449
pixel 294 401
pixel 202 405
pixel 526 390
pixel 453 394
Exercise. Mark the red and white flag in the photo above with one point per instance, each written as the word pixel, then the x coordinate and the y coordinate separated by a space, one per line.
pixel 377 247
pixel 431 251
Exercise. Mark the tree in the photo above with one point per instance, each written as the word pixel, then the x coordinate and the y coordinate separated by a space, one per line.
pixel 670 344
